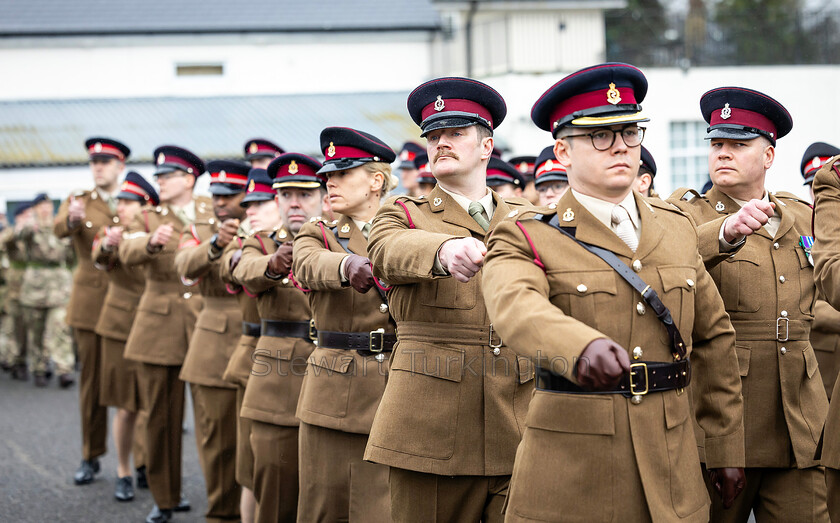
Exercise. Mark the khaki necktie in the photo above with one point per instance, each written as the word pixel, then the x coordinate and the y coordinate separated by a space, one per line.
pixel 112 203
pixel 476 210
pixel 623 227
pixel 366 231
pixel 181 214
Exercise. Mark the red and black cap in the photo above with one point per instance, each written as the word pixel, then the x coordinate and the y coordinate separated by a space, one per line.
pixel 597 96
pixel 646 163
pixel 227 177
pixel 135 187
pixel 99 147
pixel 346 148
pixel 261 148
pixel 738 113
pixel 170 158
pixel 816 155
pixel 525 165
pixel 259 187
pixel 409 151
pixel 424 172
pixel 499 172
pixel 548 169
pixel 296 170
pixel 455 102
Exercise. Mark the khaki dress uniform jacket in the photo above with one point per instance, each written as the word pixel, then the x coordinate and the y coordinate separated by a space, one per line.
pixel 826 254
pixel 272 392
pixel 601 457
pixel 825 338
pixel 86 299
pixel 342 388
pixel 767 288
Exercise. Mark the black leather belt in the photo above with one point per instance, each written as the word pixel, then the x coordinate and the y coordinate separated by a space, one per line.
pixel 373 341
pixel 644 377
pixel 286 329
pixel 251 329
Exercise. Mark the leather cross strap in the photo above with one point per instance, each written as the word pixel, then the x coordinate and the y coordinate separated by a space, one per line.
pixel 627 274
pixel 286 329
pixel 345 244
pixel 643 378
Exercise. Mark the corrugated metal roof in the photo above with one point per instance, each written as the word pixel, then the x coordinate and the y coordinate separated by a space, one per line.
pixel 63 17
pixel 52 132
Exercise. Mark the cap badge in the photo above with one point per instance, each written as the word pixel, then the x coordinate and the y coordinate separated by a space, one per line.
pixel 439 103
pixel 222 176
pixel 97 147
pixel 720 207
pixel 253 148
pixel 816 162
pixel 293 167
pixel 251 186
pixel 523 166
pixel 331 150
pixel 569 215
pixel 726 112
pixel 161 158
pixel 404 155
pixel 345 228
pixel 549 164
pixel 437 201
pixel 613 96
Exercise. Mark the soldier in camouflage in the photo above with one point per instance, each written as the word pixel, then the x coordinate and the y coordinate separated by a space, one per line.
pixel 13 346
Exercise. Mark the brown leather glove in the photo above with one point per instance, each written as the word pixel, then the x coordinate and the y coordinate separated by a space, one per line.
pixel 728 483
pixel 280 262
pixel 357 269
pixel 234 259
pixel 602 364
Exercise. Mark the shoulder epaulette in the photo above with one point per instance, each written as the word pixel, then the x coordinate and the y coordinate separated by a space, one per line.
pixel 662 204
pixel 687 195
pixel 784 195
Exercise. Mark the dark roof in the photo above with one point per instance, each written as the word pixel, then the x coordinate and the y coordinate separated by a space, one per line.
pixel 52 132
pixel 115 17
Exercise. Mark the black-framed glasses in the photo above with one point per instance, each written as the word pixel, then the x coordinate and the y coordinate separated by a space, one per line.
pixel 603 139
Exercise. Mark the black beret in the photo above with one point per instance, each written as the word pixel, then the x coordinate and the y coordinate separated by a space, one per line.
pixel 455 102
pixel 548 169
pixel 296 170
pixel 101 147
pixel 261 148
pixel 816 155
pixel 40 197
pixel 739 113
pixel 346 148
pixel 135 187
pixel 259 187
pixel 647 162
pixel 227 177
pixel 21 207
pixel 499 172
pixel 170 158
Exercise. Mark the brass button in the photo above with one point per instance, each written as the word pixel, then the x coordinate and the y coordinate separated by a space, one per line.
pixel 636 400
pixel 637 265
pixel 380 357
pixel 285 281
pixel 496 351
pixel 88 224
pixel 776 245
pixel 784 314
pixel 783 351
pixel 116 219
pixel 637 353
pixel 212 221
pixel 187 295
pixel 383 308
pixel 782 279
pixel 690 282
pixel 640 308
pixel 581 288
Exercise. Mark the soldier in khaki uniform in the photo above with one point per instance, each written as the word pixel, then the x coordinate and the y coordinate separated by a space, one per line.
pixel 165 319
pixel 607 439
pixel 119 386
pixel 43 294
pixel 13 326
pixel 217 333
pixel 80 217
pixel 827 275
pixel 454 408
pixel 825 332
pixel 551 179
pixel 526 166
pixel 346 373
pixel 754 244
pixel 279 363
pixel 259 152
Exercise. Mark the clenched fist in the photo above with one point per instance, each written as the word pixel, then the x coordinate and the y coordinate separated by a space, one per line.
pixel 357 269
pixel 462 257
pixel 227 232
pixel 160 237
pixel 75 211
pixel 751 217
pixel 602 364
pixel 280 262
pixel 112 238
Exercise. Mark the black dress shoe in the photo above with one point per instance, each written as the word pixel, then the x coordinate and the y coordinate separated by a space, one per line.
pixel 65 380
pixel 159 516
pixel 19 372
pixel 142 482
pixel 124 490
pixel 41 380
pixel 183 505
pixel 87 469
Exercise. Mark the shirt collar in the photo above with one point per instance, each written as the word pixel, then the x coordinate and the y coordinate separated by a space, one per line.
pixel 602 210
pixel 486 201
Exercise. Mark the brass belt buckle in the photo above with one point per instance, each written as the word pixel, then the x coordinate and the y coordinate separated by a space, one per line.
pixel 313 332
pixel 779 326
pixel 491 343
pixel 633 389
pixel 381 332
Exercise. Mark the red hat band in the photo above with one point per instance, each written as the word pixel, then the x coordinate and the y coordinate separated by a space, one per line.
pixel 177 161
pixel 817 162
pixel 735 116
pixel 133 188
pixel 549 167
pixel 592 99
pixel 225 177
pixel 104 148
pixel 408 156
pixel 260 187
pixel 456 104
pixel 338 152
pixel 500 174
pixel 294 168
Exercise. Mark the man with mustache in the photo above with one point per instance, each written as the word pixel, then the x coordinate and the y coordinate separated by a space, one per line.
pixel 756 246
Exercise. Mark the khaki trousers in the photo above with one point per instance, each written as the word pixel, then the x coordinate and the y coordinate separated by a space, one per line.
pixel 162 397
pixel 275 471
pixel 244 454
pixel 789 495
pixel 335 483
pixel 420 497
pixel 832 482
pixel 94 415
pixel 215 435
pixel 138 446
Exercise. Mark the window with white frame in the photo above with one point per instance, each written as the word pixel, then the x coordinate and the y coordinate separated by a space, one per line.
pixel 689 154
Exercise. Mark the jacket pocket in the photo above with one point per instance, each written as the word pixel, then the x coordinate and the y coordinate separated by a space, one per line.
pixel 740 276
pixel 327 382
pixel 688 494
pixel 743 354
pixel 580 293
pixel 155 304
pixel 212 321
pixel 678 284
pixel 449 293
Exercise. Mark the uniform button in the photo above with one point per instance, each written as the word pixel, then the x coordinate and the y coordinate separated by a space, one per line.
pixel 496 351
pixel 776 245
pixel 581 288
pixel 187 295
pixel 285 281
pixel 637 265
pixel 782 279
pixel 383 308
pixel 116 219
pixel 783 314
pixel 635 400
pixel 380 357
pixel 212 221
pixel 690 282
pixel 637 353
pixel 783 350
pixel 88 225
pixel 640 308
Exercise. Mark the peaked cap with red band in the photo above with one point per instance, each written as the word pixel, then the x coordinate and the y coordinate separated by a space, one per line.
pixel 548 169
pixel 170 158
pixel 598 96
pixel 499 172
pixel 346 148
pixel 227 177
pixel 424 173
pixel 646 162
pixel 738 113
pixel 261 148
pixel 524 164
pixel 99 147
pixel 816 155
pixel 296 170
pixel 409 151
pixel 450 102
pixel 135 187
pixel 259 187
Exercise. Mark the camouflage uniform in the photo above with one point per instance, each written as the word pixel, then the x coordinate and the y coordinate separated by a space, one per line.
pixel 12 324
pixel 44 293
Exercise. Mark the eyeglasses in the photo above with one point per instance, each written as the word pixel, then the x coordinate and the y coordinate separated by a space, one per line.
pixel 603 139
pixel 555 187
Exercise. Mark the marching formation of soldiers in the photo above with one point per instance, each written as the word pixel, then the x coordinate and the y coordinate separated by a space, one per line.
pixel 543 339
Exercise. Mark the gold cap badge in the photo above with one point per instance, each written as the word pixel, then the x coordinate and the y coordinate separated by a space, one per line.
pixel 331 150
pixel 222 176
pixel 613 96
pixel 251 186
pixel 253 148
pixel 161 158
pixel 293 167
pixel 97 147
